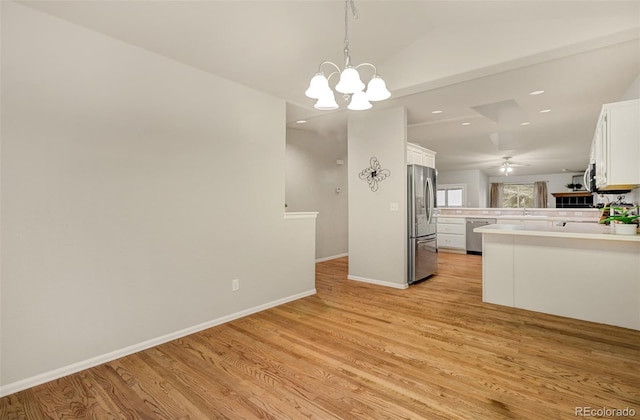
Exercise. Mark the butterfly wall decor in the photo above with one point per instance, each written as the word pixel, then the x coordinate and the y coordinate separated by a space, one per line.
pixel 374 174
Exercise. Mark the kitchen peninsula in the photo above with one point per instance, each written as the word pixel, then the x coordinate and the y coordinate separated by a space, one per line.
pixel 579 271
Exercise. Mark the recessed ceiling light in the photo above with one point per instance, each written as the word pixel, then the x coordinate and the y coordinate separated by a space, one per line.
pixel 536 92
pixel 466 123
pixel 437 111
pixel 301 121
pixel 544 111
pixel 525 123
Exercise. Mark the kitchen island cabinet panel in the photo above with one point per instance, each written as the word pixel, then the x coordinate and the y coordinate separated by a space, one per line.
pixel 497 280
pixel 596 285
pixel 576 271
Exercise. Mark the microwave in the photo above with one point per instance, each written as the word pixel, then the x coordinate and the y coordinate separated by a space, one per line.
pixel 589 180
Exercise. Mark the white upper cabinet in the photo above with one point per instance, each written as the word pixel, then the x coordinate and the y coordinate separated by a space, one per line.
pixel 616 146
pixel 420 156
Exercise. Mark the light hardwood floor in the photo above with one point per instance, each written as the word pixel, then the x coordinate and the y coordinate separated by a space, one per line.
pixel 359 351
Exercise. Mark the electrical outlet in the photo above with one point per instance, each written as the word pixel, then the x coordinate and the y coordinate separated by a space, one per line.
pixel 235 285
pixel 562 213
pixel 578 213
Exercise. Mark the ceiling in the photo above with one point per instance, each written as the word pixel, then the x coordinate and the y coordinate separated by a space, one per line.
pixel 476 61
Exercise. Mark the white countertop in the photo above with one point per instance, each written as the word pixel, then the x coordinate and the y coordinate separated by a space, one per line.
pixel 522 217
pixel 571 230
pixel 301 215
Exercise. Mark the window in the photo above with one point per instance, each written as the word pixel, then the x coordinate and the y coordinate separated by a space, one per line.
pixel 451 195
pixel 517 195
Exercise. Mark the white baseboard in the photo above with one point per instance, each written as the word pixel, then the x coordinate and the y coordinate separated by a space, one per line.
pixel 333 257
pixel 117 354
pixel 378 282
pixel 453 250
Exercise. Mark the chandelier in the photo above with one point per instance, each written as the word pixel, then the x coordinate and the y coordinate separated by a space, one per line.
pixel 349 83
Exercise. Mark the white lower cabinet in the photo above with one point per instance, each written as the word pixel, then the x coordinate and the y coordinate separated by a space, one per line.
pixel 446 240
pixel 452 233
pixel 455 229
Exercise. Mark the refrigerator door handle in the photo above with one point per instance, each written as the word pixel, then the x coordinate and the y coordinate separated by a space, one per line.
pixel 426 193
pixel 429 185
pixel 413 214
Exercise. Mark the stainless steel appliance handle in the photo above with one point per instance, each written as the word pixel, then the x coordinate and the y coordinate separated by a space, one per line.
pixel 426 205
pixel 585 179
pixel 425 241
pixel 431 200
pixel 414 204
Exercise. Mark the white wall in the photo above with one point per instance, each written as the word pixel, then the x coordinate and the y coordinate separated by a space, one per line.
pixel 484 191
pixel 134 189
pixel 633 196
pixel 633 91
pixel 312 176
pixel 377 235
pixel 478 185
pixel 556 183
pixel 476 182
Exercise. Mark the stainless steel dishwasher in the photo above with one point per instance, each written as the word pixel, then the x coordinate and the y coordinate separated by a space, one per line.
pixel 474 240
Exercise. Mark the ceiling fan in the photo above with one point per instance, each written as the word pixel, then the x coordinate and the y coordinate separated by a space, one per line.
pixel 507 166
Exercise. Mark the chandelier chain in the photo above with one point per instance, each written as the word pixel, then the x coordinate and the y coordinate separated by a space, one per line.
pixel 349 84
pixel 354 11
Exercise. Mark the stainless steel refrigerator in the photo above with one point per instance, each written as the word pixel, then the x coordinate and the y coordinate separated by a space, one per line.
pixel 421 194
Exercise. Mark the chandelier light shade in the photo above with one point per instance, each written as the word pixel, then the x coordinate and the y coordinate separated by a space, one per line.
pixel 377 89
pixel 349 82
pixel 359 102
pixel 319 84
pixel 326 101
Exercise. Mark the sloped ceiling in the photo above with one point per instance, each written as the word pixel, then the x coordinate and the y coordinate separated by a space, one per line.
pixel 455 56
